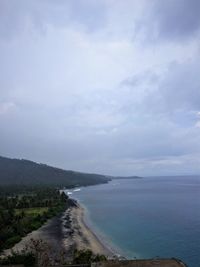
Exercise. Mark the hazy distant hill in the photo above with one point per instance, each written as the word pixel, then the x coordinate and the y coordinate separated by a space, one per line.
pixel 25 172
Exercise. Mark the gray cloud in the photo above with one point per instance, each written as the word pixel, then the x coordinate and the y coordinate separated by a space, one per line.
pixel 19 16
pixel 181 89
pixel 172 20
pixel 77 91
pixel 178 18
pixel 176 89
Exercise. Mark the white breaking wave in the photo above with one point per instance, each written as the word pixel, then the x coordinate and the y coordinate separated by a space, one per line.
pixel 76 190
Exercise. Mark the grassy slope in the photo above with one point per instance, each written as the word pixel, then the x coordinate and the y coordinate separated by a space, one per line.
pixel 32 211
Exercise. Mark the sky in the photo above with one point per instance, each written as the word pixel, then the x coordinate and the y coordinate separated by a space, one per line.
pixel 102 86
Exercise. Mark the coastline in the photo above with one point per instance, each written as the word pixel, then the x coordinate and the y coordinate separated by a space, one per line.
pixel 78 235
pixel 66 232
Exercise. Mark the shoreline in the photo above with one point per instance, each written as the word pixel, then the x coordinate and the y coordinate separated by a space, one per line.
pixel 78 234
pixel 66 232
pixel 114 250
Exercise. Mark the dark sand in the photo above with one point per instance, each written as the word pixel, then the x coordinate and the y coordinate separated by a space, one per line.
pixel 50 233
pixel 65 232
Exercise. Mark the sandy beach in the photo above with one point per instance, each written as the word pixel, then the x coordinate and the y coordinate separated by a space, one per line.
pixel 78 235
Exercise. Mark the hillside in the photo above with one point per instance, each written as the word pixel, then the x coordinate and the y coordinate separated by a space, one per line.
pixel 25 172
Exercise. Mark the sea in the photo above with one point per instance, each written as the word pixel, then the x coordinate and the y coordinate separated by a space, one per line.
pixel 152 217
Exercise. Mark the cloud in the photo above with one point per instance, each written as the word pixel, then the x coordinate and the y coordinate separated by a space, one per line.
pixel 178 89
pixel 90 95
pixel 16 17
pixel 172 21
pixel 6 107
pixel 181 88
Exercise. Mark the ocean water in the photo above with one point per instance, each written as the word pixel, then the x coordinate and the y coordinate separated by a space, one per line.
pixel 148 217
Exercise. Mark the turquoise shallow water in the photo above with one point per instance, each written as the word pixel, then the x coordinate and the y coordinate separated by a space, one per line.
pixel 148 217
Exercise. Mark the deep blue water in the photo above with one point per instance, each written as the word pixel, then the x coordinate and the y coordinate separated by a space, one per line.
pixel 148 217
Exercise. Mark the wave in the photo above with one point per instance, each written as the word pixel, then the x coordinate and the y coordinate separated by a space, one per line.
pixel 76 190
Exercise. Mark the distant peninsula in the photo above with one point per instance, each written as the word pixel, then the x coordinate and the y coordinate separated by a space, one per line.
pixel 25 172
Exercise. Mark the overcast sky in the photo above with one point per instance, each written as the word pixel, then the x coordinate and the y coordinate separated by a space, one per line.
pixel 106 86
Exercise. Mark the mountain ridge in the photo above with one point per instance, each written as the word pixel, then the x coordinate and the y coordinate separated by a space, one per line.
pixel 27 172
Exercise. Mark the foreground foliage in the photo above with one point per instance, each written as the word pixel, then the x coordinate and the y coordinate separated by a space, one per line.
pixel 27 259
pixel 25 211
pixel 86 256
pixel 39 253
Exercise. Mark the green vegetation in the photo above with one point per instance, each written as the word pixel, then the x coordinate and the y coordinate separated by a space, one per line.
pixel 25 258
pixel 32 211
pixel 38 253
pixel 26 173
pixel 22 213
pixel 87 256
pixel 29 196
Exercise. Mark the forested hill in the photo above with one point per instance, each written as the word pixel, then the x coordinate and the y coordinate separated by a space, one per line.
pixel 25 172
